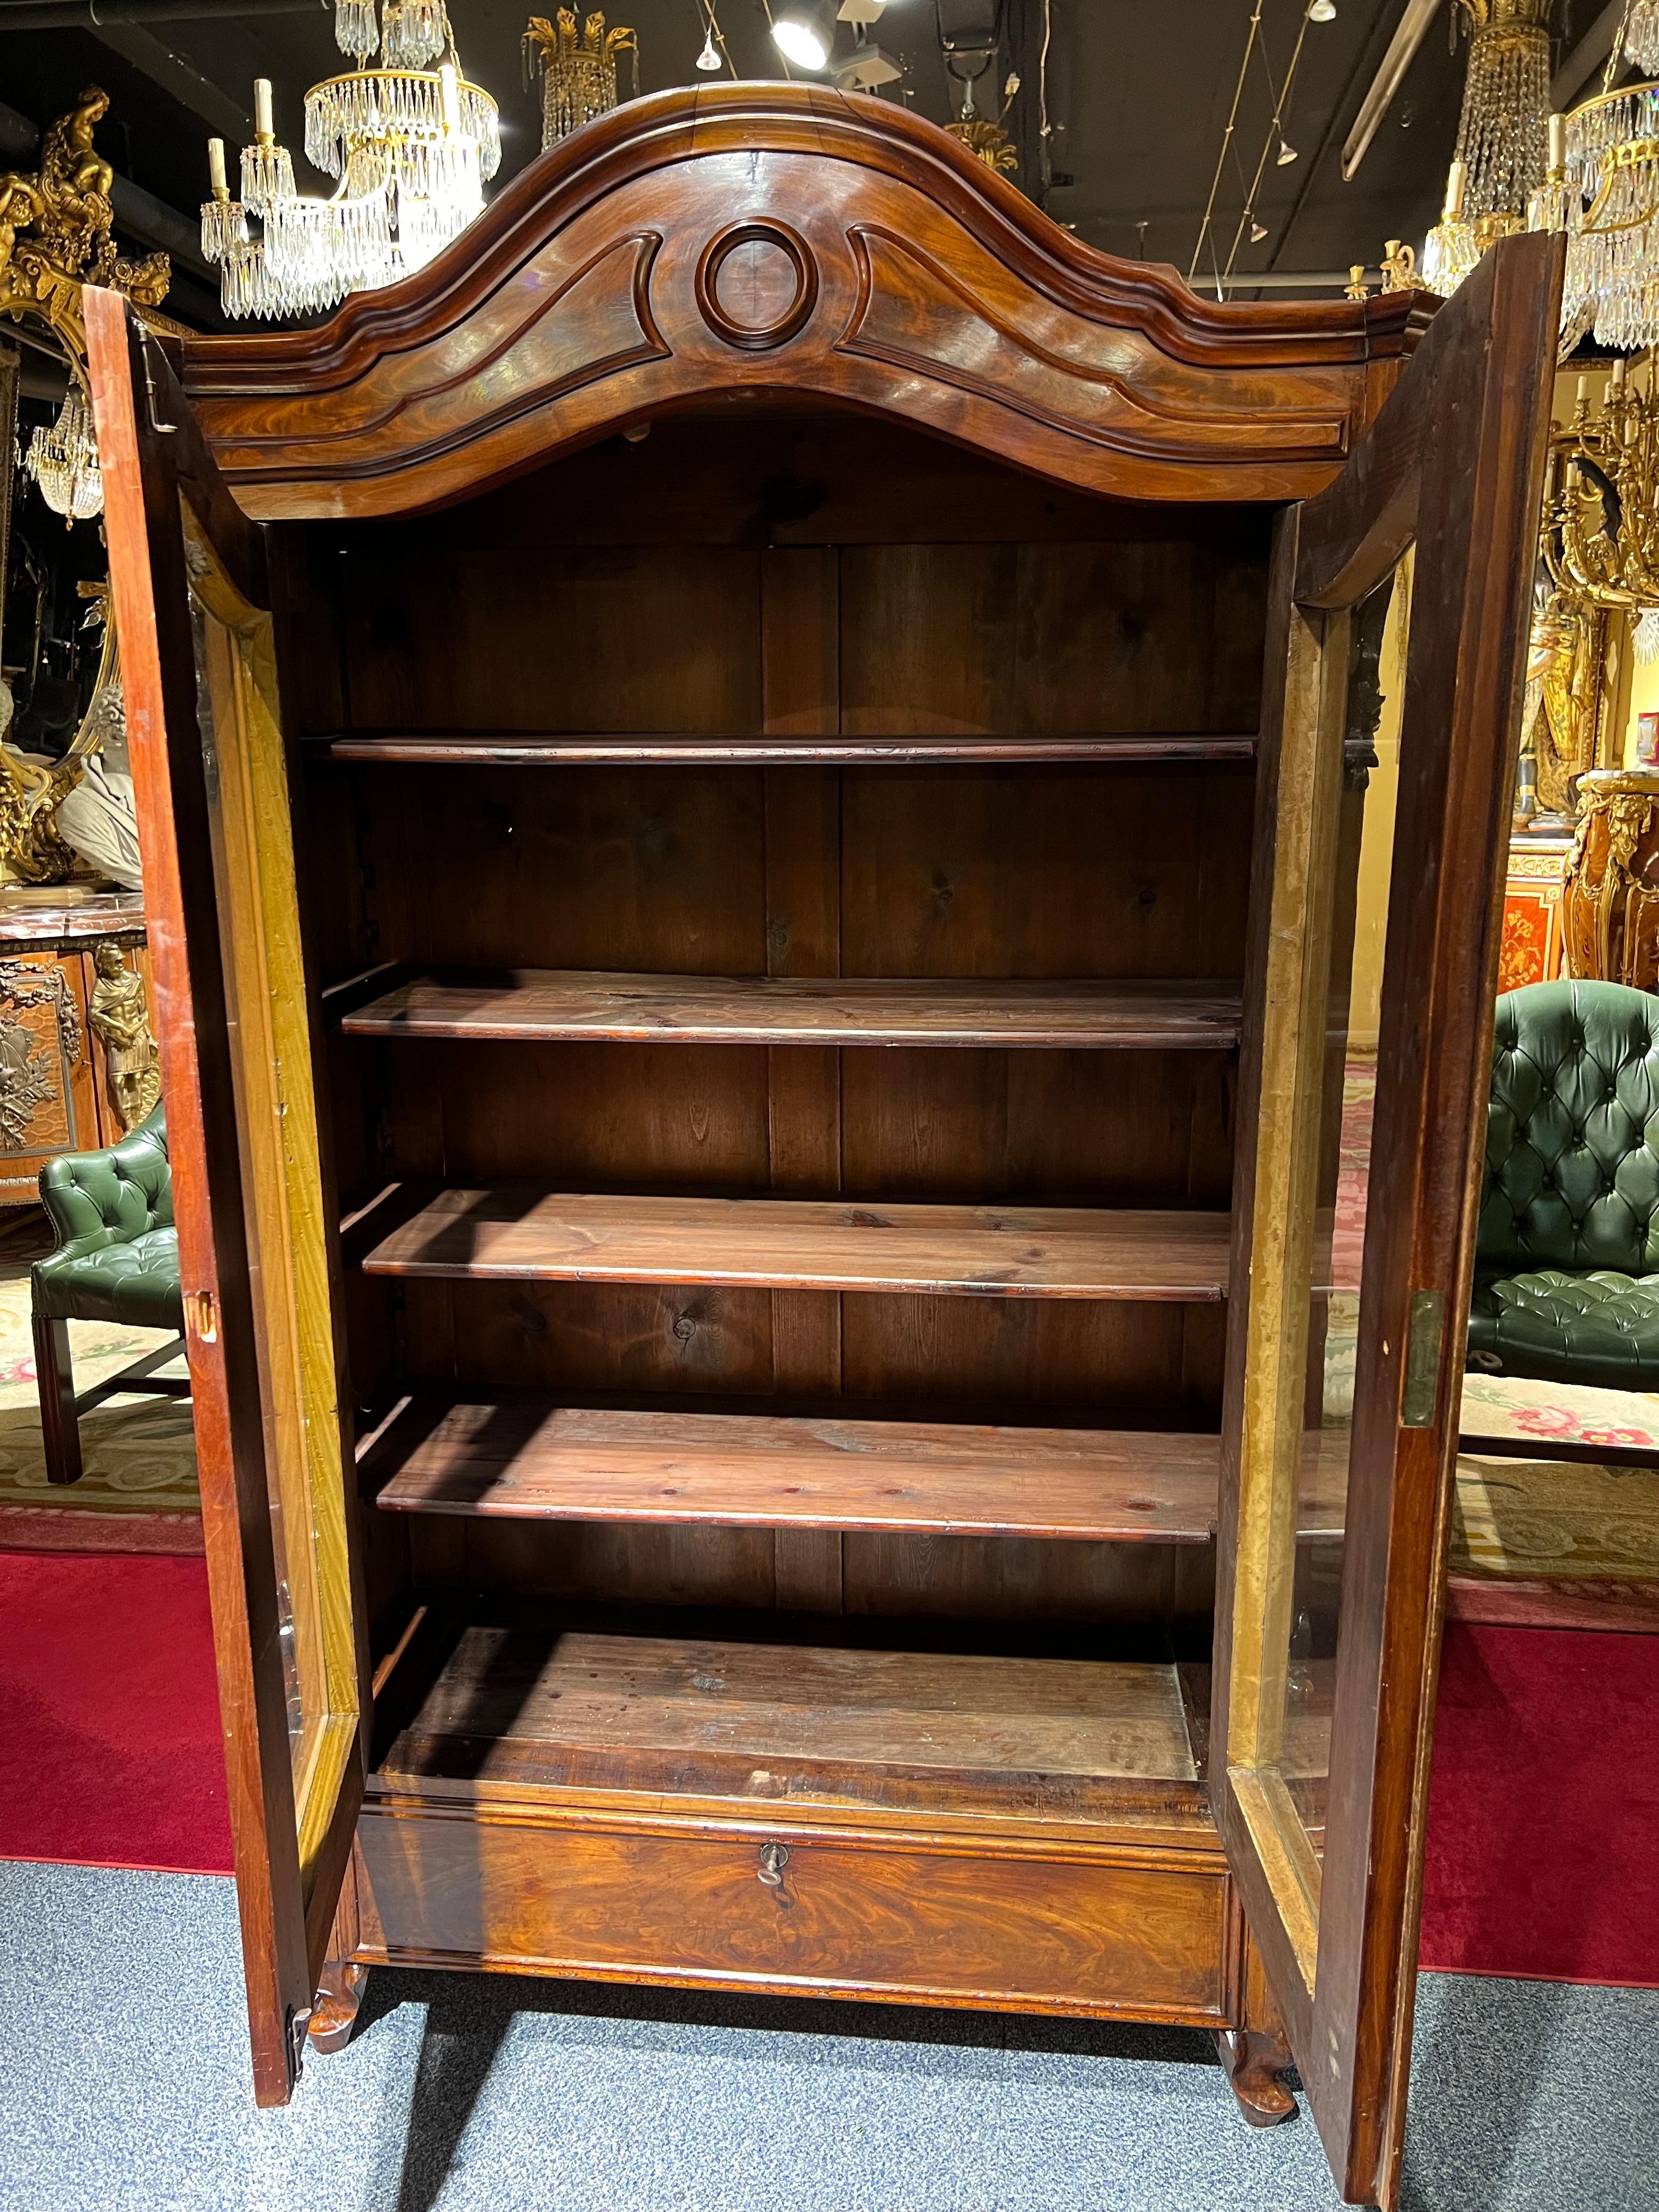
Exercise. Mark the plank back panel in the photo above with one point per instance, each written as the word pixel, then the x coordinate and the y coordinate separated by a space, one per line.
pixel 795 575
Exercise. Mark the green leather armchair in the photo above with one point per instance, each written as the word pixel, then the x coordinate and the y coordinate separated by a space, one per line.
pixel 1567 1253
pixel 117 1260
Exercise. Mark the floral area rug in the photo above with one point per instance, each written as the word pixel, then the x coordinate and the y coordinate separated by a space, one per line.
pixel 138 1492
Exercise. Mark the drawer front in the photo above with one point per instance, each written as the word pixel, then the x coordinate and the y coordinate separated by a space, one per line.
pixel 876 1920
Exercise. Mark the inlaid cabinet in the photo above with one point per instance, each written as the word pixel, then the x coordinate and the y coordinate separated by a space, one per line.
pixel 822 1094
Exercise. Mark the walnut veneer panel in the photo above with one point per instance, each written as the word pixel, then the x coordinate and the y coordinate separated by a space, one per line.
pixel 551 1003
pixel 1051 1934
pixel 923 285
pixel 1065 1252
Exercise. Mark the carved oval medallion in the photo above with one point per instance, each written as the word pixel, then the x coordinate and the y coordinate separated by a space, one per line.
pixel 757 285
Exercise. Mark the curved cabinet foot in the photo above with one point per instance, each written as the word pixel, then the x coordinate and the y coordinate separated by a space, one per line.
pixel 335 2012
pixel 1254 2061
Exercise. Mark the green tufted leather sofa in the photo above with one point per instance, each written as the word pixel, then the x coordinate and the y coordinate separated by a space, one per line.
pixel 1567 1253
pixel 117 1260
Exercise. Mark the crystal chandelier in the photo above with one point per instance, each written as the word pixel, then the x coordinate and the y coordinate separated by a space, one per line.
pixel 1611 284
pixel 1498 165
pixel 62 459
pixel 1642 34
pixel 1506 98
pixel 1451 248
pixel 578 70
pixel 411 146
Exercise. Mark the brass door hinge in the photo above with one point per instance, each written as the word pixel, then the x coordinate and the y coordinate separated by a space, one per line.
pixel 1425 1346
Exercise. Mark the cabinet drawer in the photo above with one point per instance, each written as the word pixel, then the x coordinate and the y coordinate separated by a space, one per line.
pixel 859 1919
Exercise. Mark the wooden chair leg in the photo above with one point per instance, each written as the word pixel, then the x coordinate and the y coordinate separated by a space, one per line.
pixel 60 1430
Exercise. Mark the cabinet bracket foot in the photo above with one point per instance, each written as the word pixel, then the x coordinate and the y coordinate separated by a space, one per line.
pixel 1254 2061
pixel 338 1995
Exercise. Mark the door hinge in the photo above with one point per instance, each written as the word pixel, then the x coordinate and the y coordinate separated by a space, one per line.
pixel 1424 1343
pixel 201 1315
pixel 166 429
pixel 298 2023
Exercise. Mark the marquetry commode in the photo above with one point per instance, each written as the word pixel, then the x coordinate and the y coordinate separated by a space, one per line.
pixel 789 922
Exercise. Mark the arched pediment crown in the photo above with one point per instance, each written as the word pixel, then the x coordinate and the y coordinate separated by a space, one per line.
pixel 786 238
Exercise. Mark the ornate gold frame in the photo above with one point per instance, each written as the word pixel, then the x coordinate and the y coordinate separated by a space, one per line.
pixel 54 239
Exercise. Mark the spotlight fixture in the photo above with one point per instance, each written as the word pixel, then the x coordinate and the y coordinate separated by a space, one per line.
pixel 867 66
pixel 1322 12
pixel 862 12
pixel 708 60
pixel 803 34
pixel 1258 232
pixel 1285 154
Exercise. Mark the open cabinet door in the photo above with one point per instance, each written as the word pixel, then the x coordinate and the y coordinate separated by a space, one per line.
pixel 1368 1003
pixel 193 609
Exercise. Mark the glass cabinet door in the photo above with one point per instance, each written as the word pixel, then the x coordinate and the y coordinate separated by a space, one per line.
pixel 1400 606
pixel 193 610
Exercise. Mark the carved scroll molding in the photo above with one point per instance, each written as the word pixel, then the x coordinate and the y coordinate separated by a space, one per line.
pixel 788 237
pixel 916 313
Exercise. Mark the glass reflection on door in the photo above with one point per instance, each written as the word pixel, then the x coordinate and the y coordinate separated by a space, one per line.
pixel 1361 862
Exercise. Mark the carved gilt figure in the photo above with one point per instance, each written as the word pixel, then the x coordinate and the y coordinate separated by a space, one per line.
pixel 55 233
pixel 1561 716
pixel 54 238
pixel 119 1013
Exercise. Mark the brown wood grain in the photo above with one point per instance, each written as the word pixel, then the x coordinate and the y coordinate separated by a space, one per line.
pixel 580 1463
pixel 800 695
pixel 980 1251
pixel 523 749
pixel 937 583
pixel 547 1003
pixel 933 291
pixel 1472 404
pixel 507 1700
pixel 193 1005
pixel 1063 1933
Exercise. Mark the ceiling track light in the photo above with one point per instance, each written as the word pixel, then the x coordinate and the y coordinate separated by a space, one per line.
pixel 1285 154
pixel 804 33
pixel 1322 12
pixel 867 67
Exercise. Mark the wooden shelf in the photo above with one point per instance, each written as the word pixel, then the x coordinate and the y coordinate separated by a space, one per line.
pixel 543 1704
pixel 532 1462
pixel 546 749
pixel 524 1232
pixel 549 1003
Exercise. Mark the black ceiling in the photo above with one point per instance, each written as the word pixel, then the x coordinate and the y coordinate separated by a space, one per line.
pixel 1138 98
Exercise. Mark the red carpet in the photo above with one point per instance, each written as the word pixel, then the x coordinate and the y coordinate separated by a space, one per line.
pixel 1543 1855
pixel 109 1714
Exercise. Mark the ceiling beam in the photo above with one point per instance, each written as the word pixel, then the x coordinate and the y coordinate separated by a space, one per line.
pixel 1402 53
pixel 146 52
pixel 94 14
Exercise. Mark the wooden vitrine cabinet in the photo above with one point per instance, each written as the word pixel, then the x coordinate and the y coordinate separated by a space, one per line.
pixel 785 965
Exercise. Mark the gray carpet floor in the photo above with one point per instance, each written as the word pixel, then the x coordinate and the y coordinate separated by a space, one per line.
pixel 125 2089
